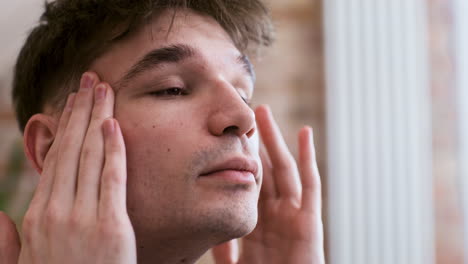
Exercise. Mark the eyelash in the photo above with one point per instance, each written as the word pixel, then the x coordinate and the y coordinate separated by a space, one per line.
pixel 182 91
pixel 167 92
pixel 247 101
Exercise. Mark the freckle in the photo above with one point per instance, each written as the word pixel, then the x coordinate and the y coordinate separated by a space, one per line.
pixel 154 126
pixel 168 150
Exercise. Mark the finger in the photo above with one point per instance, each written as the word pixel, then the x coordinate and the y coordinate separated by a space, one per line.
pixel 9 241
pixel 44 187
pixel 64 188
pixel 268 190
pixel 226 253
pixel 311 186
pixel 92 154
pixel 284 166
pixel 26 257
pixel 114 175
pixel 34 216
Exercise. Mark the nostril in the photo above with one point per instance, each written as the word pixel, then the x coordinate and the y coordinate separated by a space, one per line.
pixel 230 129
pixel 250 133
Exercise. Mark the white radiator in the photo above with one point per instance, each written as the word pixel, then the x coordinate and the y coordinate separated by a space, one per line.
pixel 379 132
pixel 461 60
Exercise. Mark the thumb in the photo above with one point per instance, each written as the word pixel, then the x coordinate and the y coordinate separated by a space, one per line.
pixel 9 240
pixel 226 253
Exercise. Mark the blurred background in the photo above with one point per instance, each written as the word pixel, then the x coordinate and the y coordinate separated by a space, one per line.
pixel 384 84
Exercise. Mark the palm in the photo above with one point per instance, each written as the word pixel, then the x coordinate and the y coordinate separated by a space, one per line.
pixel 280 222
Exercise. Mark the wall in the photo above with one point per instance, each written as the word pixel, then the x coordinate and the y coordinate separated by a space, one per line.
pixel 448 220
pixel 290 78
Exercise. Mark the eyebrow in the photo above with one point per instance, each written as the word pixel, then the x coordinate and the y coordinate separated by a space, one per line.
pixel 247 65
pixel 155 58
pixel 172 54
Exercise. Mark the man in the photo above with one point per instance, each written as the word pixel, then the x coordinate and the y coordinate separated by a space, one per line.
pixel 152 154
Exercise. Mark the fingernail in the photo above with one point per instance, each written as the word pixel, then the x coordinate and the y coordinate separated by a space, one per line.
pixel 86 82
pixel 109 127
pixel 100 92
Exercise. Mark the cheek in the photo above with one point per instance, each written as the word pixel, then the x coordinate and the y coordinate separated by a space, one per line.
pixel 153 147
pixel 154 166
pixel 155 143
pixel 157 157
pixel 151 130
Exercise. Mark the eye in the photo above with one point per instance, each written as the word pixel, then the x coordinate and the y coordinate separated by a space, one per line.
pixel 173 91
pixel 247 101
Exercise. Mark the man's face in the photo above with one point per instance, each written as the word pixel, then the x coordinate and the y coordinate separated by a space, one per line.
pixel 180 104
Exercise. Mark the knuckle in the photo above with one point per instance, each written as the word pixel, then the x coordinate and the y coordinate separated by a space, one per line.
pixel 80 220
pixel 53 215
pixel 86 152
pixel 112 177
pixel 112 231
pixel 29 221
pixel 76 223
pixel 284 168
pixel 28 235
pixel 288 165
pixel 115 149
pixel 29 226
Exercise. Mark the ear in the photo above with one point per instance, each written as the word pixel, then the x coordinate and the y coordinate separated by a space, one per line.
pixel 39 134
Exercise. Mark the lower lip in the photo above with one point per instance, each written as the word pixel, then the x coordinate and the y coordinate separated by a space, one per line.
pixel 235 176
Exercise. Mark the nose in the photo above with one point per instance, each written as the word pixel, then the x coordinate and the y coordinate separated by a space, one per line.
pixel 231 115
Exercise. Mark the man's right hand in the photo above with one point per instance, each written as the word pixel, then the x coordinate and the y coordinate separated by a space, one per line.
pixel 78 213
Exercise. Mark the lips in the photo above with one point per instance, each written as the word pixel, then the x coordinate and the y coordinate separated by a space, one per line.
pixel 241 165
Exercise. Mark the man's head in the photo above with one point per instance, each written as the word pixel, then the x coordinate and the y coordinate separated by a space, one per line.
pixel 182 83
pixel 73 33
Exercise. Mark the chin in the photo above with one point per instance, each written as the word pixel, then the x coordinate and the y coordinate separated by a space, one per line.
pixel 229 219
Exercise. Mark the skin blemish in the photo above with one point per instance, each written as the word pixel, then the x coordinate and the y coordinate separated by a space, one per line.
pixel 154 126
pixel 168 150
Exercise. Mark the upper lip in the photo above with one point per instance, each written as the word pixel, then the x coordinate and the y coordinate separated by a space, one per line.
pixel 239 164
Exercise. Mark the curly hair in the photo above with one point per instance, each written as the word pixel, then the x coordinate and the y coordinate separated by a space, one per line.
pixel 71 34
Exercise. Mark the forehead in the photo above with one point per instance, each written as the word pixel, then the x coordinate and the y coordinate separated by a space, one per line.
pixel 185 27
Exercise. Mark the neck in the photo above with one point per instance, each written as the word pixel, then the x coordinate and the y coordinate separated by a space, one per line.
pixel 171 251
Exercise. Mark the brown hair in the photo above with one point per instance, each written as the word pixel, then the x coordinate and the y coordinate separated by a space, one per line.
pixel 72 33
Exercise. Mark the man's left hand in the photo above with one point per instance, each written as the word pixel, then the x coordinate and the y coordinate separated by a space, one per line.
pixel 289 228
